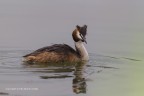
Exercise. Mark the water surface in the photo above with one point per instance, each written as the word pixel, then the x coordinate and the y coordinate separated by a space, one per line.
pixel 115 45
pixel 102 75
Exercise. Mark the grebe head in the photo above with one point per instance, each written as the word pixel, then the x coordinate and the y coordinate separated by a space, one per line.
pixel 79 33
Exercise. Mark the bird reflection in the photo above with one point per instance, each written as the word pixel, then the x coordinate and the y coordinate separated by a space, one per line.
pixel 62 71
pixel 79 82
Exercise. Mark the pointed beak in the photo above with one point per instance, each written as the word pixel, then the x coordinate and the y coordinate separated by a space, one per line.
pixel 83 39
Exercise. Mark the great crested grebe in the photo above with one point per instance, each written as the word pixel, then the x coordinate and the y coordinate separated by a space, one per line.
pixel 62 52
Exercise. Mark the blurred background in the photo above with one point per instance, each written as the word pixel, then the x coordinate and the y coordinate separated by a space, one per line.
pixel 113 25
pixel 115 45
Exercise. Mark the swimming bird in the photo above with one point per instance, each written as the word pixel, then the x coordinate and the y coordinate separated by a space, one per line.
pixel 62 52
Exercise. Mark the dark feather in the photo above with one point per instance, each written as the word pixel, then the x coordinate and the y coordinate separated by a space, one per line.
pixel 58 48
pixel 83 30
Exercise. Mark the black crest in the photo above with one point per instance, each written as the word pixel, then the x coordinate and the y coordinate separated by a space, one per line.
pixel 82 30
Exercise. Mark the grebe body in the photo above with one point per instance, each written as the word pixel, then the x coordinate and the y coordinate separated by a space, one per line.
pixel 62 52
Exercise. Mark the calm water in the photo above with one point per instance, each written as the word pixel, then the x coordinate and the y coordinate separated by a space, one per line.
pixel 115 45
pixel 102 76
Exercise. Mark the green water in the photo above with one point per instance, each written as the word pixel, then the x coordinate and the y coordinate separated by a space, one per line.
pixel 102 76
pixel 115 45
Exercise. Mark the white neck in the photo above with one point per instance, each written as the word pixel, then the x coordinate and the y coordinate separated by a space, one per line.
pixel 82 50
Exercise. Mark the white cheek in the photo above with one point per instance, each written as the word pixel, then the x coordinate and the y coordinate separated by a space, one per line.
pixel 78 35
